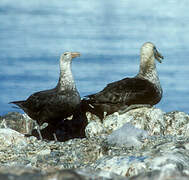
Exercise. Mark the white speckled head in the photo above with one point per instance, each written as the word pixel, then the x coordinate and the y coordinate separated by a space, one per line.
pixel 66 79
pixel 66 59
pixel 148 70
pixel 68 56
pixel 149 51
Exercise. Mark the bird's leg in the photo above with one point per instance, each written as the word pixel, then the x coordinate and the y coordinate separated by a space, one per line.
pixel 105 113
pixel 39 132
pixel 55 138
pixel 133 106
pixel 3 123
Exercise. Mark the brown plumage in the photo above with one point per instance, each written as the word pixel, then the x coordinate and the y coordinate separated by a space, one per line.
pixel 144 88
pixel 56 104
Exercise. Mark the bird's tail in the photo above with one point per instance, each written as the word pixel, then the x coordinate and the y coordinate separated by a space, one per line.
pixel 18 103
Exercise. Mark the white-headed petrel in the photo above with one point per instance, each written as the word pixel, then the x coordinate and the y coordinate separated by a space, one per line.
pixel 55 104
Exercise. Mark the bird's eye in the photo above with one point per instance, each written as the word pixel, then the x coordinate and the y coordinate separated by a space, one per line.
pixel 154 50
pixel 65 54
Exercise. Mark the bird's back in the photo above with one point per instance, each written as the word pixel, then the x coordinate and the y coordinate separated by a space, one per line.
pixel 50 105
pixel 124 93
pixel 127 91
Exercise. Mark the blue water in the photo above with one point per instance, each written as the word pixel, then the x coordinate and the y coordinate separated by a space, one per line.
pixel 108 34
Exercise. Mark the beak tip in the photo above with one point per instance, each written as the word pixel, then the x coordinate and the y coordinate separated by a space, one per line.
pixel 75 54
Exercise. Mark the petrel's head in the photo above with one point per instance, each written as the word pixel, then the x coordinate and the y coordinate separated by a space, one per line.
pixel 68 56
pixel 148 50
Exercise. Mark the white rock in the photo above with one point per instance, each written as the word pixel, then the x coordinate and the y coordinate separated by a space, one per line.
pixel 149 119
pixel 44 152
pixel 177 123
pixel 11 137
pixel 169 161
pixel 115 121
pixel 93 129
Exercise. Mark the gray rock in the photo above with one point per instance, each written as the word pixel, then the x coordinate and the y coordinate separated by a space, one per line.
pixel 152 120
pixel 9 137
pixel 159 175
pixel 177 123
pixel 22 173
pixel 149 119
pixel 94 128
pixel 169 155
pixel 112 149
pixel 122 165
pixel 19 122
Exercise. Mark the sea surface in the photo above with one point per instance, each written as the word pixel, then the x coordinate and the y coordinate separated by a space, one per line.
pixel 108 34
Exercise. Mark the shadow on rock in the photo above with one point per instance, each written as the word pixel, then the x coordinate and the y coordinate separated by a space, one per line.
pixel 64 130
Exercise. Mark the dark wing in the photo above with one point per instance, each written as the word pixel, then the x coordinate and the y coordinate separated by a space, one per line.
pixel 127 91
pixel 50 100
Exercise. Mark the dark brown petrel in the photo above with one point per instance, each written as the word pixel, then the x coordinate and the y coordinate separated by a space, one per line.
pixel 55 104
pixel 142 90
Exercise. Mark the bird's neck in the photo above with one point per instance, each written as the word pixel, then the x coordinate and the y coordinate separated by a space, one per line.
pixel 148 69
pixel 66 80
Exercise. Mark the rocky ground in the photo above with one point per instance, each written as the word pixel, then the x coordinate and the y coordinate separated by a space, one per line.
pixel 144 143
